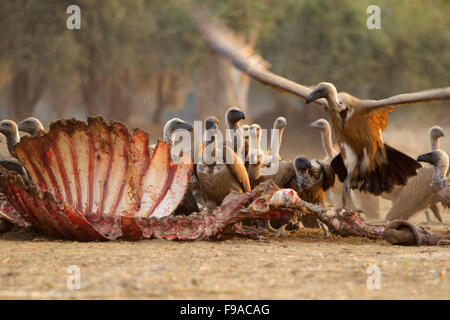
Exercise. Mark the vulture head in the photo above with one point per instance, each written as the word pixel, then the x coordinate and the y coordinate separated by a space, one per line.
pixel 233 116
pixel 320 124
pixel 280 123
pixel 8 128
pixel 31 125
pixel 171 126
pixel 439 159
pixel 308 173
pixel 254 130
pixel 436 132
pixel 11 132
pixel 328 91
pixel 212 123
pixel 175 124
pixel 313 174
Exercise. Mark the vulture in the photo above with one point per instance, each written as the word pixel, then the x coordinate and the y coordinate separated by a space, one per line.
pixel 10 130
pixel 232 118
pixel 255 155
pixel 218 178
pixel 429 187
pixel 314 178
pixel 245 134
pixel 361 201
pixel 416 185
pixel 169 131
pixel 31 125
pixel 365 162
pixel 279 124
pixel 189 203
pixel 14 165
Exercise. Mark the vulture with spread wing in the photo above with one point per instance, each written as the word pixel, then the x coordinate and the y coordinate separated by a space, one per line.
pixel 365 162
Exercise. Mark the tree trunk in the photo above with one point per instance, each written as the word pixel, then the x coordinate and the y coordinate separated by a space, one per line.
pixel 23 96
pixel 120 99
pixel 220 87
pixel 90 83
pixel 160 103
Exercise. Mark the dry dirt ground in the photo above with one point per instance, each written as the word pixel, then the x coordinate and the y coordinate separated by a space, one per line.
pixel 302 266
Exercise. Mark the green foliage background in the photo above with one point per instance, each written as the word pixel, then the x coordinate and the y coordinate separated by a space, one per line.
pixel 125 45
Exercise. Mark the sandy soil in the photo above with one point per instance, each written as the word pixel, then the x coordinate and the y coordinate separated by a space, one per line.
pixel 301 266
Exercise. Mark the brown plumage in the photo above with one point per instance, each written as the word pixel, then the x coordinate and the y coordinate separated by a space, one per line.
pixel 314 178
pixel 368 203
pixel 427 188
pixel 31 125
pixel 218 178
pixel 404 201
pixel 369 164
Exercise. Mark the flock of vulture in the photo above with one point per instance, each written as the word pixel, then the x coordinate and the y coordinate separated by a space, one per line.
pixel 364 164
pixel 411 189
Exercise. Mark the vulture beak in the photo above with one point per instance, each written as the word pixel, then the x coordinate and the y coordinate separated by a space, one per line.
pixel 427 157
pixel 240 115
pixel 211 126
pixel 302 163
pixel 185 126
pixel 313 96
pixel 23 127
pixel 314 125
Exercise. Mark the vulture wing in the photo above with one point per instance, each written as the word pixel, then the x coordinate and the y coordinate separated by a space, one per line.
pixel 237 168
pixel 222 40
pixel 403 99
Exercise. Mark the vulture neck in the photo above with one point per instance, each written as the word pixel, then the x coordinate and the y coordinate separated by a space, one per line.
pixel 168 136
pixel 280 138
pixel 210 149
pixel 434 143
pixel 11 140
pixel 233 125
pixel 327 143
pixel 440 173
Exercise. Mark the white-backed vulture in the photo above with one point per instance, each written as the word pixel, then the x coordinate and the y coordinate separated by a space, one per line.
pixel 10 130
pixel 245 134
pixel 314 178
pixel 218 179
pixel 279 124
pixel 232 118
pixel 359 200
pixel 365 162
pixel 169 131
pixel 255 155
pixel 425 189
pixel 416 185
pixel 189 203
pixel 31 125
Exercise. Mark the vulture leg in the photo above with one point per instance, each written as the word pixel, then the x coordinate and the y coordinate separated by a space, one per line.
pixel 427 215
pixel 279 232
pixel 346 191
pixel 434 208
pixel 269 226
pixel 325 232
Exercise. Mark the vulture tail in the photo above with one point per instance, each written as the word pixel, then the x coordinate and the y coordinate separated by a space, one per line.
pixel 339 167
pixel 395 171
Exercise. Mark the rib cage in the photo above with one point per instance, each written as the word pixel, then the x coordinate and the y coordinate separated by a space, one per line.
pixel 91 181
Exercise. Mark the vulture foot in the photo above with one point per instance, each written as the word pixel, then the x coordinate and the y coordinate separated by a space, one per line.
pixel 279 232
